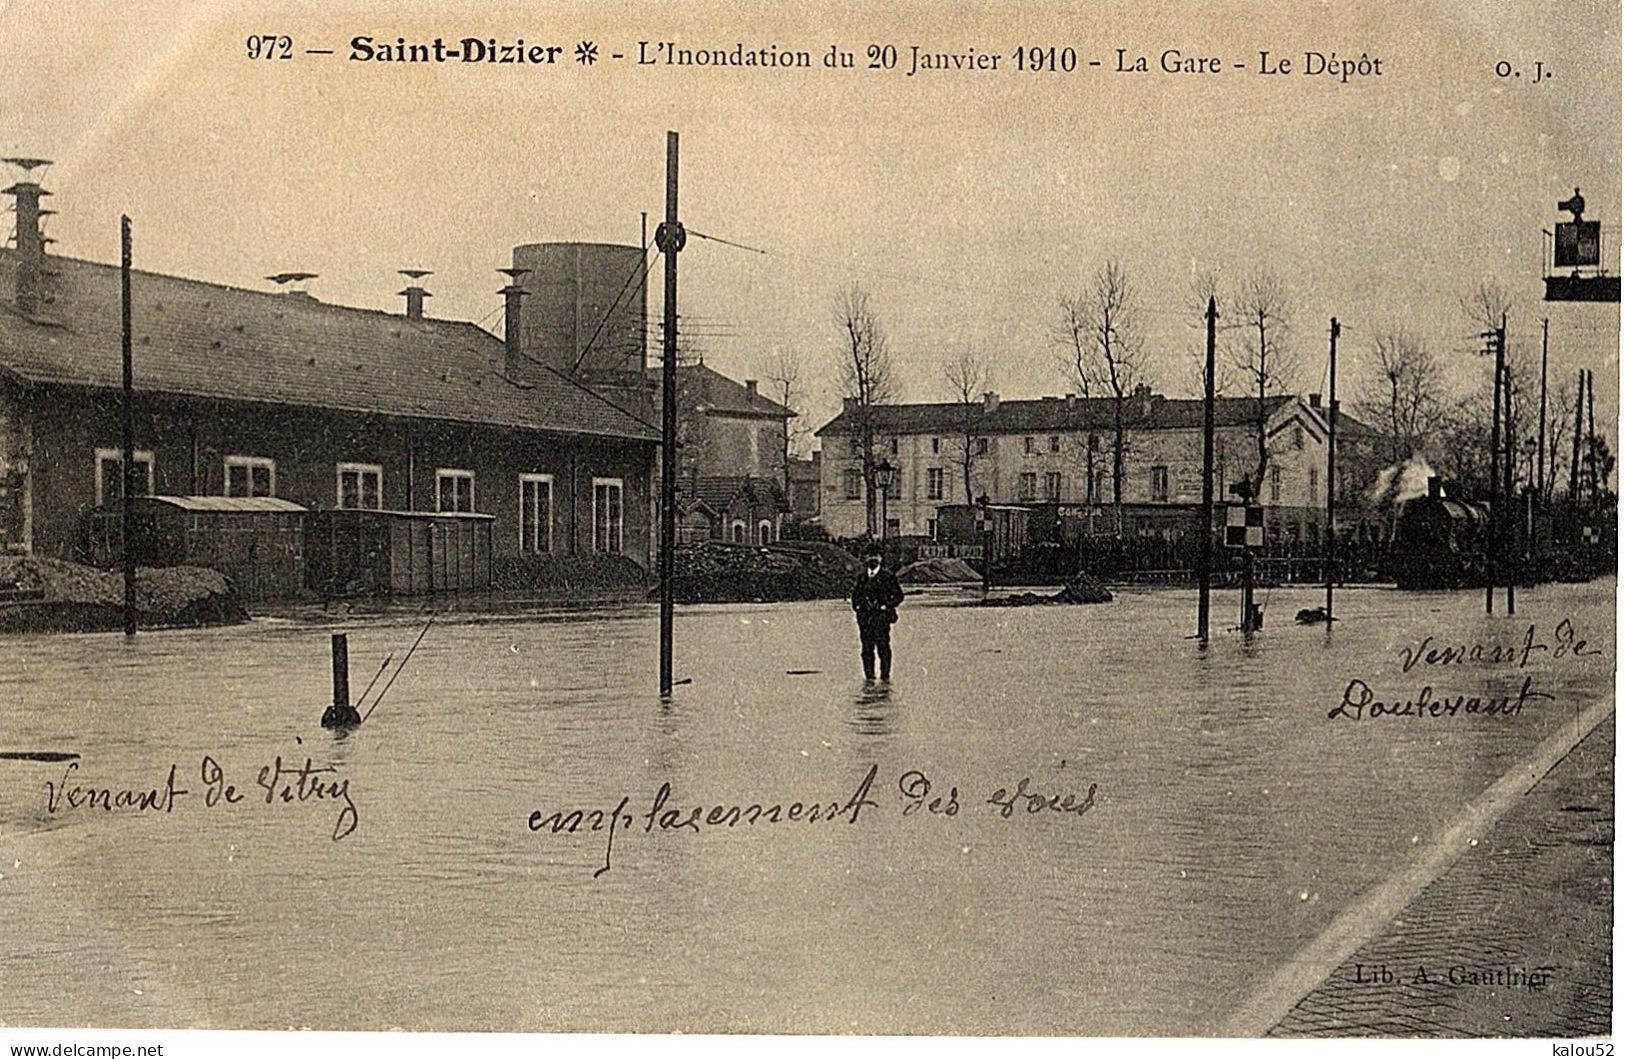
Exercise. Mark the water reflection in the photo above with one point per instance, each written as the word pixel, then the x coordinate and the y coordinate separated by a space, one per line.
pixel 873 711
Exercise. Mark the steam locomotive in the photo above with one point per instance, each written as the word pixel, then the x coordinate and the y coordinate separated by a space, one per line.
pixel 1441 541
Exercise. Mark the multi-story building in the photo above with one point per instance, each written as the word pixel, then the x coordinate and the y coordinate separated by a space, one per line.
pixel 1060 451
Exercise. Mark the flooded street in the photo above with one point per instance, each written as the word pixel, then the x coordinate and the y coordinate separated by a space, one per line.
pixel 1232 818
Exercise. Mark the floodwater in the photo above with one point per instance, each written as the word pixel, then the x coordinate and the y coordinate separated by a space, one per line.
pixel 1232 819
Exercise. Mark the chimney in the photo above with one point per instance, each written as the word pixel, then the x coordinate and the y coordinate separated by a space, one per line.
pixel 30 238
pixel 513 360
pixel 750 389
pixel 1142 400
pixel 1314 400
pixel 1435 489
pixel 849 405
pixel 990 401
pixel 1071 402
pixel 414 292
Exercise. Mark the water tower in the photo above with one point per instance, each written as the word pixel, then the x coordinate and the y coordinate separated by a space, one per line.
pixel 584 309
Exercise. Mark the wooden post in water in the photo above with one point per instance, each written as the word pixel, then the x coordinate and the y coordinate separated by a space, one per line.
pixel 341 669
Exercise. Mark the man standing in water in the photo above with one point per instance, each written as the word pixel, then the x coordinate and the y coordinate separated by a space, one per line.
pixel 875 598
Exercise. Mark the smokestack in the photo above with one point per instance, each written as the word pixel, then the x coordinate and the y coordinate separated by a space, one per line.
pixel 750 389
pixel 513 361
pixel 30 238
pixel 1435 487
pixel 990 401
pixel 414 292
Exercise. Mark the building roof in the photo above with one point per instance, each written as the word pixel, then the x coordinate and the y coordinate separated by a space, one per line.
pixel 207 340
pixel 718 491
pixel 711 391
pixel 1058 415
pixel 224 503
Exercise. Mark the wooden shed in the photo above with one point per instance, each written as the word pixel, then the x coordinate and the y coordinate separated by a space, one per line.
pixel 258 542
pixel 399 553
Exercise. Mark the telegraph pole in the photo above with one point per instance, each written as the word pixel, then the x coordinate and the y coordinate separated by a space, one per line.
pixel 670 237
pixel 1204 573
pixel 1591 438
pixel 1510 514
pixel 1331 472
pixel 129 429
pixel 1540 438
pixel 1579 424
pixel 1493 530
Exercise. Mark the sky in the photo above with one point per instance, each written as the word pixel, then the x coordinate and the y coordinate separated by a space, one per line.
pixel 967 203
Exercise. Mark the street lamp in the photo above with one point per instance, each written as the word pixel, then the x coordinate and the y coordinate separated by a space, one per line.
pixel 884 475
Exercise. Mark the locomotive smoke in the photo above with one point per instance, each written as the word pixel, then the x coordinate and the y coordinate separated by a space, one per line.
pixel 1400 482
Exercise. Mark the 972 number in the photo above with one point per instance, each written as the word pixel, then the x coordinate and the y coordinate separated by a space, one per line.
pixel 269 47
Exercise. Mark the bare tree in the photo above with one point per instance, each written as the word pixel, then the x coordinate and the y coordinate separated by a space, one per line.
pixel 1107 348
pixel 1560 414
pixel 1487 305
pixel 867 379
pixel 1074 337
pixel 1262 320
pixel 784 372
pixel 1405 394
pixel 968 377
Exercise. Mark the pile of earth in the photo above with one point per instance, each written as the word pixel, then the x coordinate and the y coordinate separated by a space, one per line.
pixel 938 572
pixel 1081 589
pixel 718 572
pixel 50 595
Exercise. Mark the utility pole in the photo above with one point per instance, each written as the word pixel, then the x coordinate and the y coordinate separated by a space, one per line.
pixel 1540 442
pixel 1331 472
pixel 1579 424
pixel 1493 530
pixel 129 430
pixel 1591 439
pixel 670 237
pixel 1510 512
pixel 1204 574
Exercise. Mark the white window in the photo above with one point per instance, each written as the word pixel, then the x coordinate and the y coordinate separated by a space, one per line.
pixel 110 474
pixel 1314 483
pixel 536 513
pixel 1275 485
pixel 606 515
pixel 853 479
pixel 1297 437
pixel 933 483
pixel 764 532
pixel 1027 445
pixel 1028 487
pixel 737 531
pixel 1055 443
pixel 1052 485
pixel 931 528
pixel 454 489
pixel 250 476
pixel 894 446
pixel 361 485
pixel 936 446
pixel 981 446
